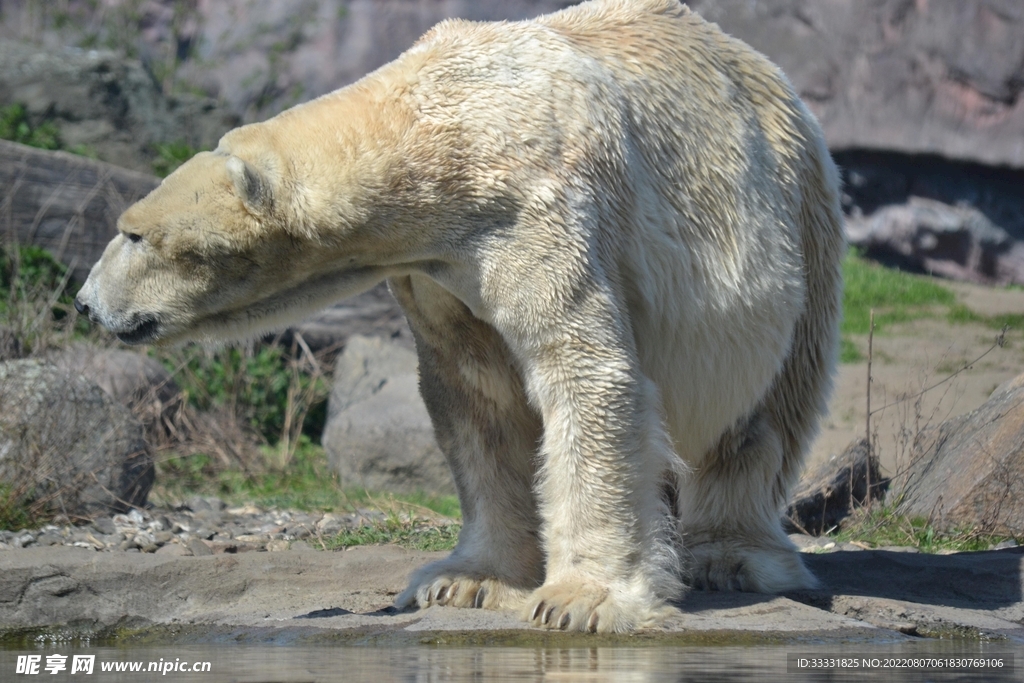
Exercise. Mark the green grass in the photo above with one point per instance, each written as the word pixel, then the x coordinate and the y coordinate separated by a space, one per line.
pixel 883 525
pixel 895 296
pixel 898 297
pixel 306 483
pixel 848 351
pixel 393 530
pixel 960 314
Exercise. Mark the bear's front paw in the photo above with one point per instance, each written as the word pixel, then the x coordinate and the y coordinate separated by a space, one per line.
pixel 583 606
pixel 461 591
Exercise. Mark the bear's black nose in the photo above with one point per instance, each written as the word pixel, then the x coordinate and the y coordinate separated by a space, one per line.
pixel 80 307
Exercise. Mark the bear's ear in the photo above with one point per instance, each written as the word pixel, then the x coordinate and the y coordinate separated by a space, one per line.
pixel 250 185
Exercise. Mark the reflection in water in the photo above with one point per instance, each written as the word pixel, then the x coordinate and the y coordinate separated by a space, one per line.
pixel 437 664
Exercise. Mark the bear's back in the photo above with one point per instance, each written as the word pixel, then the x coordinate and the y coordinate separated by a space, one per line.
pixel 706 113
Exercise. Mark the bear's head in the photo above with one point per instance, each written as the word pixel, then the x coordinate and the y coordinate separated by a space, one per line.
pixel 195 247
pixel 232 245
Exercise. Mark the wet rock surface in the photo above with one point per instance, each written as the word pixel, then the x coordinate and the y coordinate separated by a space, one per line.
pixel 882 595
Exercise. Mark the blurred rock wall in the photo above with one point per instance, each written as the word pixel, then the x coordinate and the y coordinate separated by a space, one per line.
pixel 260 56
pixel 916 76
pixel 917 98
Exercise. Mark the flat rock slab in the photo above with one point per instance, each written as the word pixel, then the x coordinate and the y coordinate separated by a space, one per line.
pixel 308 596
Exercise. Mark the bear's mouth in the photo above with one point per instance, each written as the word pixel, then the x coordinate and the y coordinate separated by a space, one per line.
pixel 143 329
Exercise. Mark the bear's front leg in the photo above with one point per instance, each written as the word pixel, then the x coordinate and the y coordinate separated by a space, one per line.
pixel 489 434
pixel 612 559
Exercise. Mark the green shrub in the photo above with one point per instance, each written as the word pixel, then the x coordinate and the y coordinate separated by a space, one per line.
pixel 170 156
pixel 15 126
pixel 15 509
pixel 33 268
pixel 262 385
pixel 36 298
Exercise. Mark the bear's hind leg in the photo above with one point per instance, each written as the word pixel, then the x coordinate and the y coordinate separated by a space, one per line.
pixel 489 435
pixel 730 514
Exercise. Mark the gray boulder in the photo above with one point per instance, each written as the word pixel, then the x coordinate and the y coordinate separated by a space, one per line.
pixel 134 380
pixel 915 98
pixel 937 78
pixel 65 203
pixel 260 56
pixel 378 434
pixel 65 446
pixel 829 493
pixel 970 470
pixel 958 242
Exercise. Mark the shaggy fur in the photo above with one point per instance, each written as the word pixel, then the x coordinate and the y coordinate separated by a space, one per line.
pixel 616 234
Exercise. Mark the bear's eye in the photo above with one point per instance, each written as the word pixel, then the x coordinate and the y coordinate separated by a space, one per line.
pixel 132 237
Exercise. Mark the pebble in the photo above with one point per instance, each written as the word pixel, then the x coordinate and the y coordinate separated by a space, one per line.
pixel 104 525
pixel 199 548
pixel 49 538
pixel 205 525
pixel 173 549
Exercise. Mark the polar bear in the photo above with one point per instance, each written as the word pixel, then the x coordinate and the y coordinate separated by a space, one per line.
pixel 616 234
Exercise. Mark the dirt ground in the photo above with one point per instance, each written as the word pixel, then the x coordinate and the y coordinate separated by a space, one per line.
pixel 911 357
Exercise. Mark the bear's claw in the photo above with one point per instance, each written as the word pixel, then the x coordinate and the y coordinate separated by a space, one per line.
pixel 461 591
pixel 590 608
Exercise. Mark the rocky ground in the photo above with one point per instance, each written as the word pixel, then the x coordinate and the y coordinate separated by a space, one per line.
pixel 202 526
pixel 204 567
